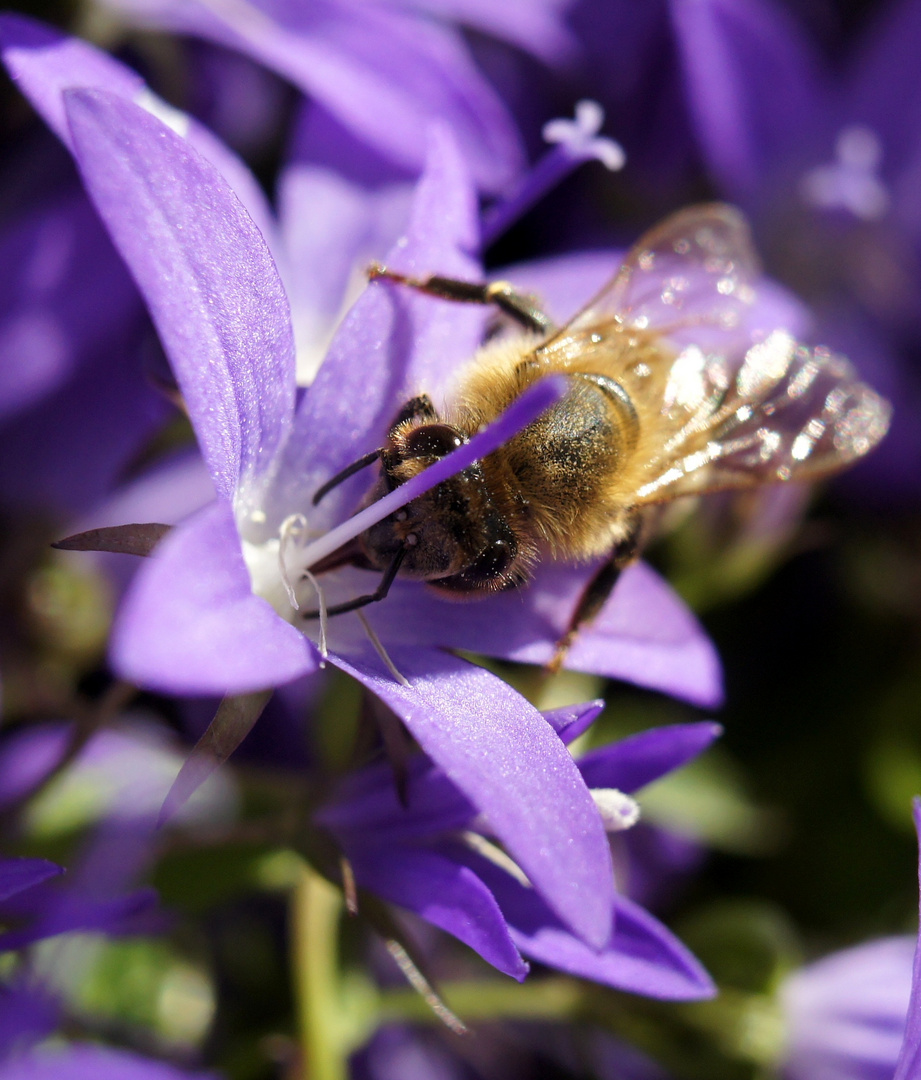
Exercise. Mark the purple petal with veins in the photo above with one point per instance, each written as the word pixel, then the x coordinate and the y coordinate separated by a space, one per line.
pixel 508 761
pixel 208 279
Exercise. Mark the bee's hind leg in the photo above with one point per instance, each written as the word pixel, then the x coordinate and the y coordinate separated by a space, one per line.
pixel 596 593
pixel 523 309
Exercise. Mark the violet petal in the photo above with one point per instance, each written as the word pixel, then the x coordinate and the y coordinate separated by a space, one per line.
pixel 573 720
pixel 638 760
pixel 641 956
pixel 384 73
pixel 16 875
pixel 909 1063
pixel 509 762
pixel 90 1062
pixel 45 63
pixel 731 52
pixel 538 26
pixel 443 893
pixel 366 801
pixel 393 343
pixel 645 634
pixel 191 623
pixel 206 274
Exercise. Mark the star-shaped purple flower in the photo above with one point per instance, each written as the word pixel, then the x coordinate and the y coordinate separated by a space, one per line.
pixel 435 855
pixel 210 612
pixel 857 1013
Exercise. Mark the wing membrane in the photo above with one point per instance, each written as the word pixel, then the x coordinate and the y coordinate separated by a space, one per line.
pixel 790 413
pixel 695 270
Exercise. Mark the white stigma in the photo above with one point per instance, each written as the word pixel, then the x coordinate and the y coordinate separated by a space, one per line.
pixel 580 136
pixel 851 182
pixel 618 811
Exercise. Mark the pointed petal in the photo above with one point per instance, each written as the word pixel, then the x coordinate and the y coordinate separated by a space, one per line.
pixel 573 720
pixel 509 762
pixel 44 62
pixel 441 892
pixel 191 625
pixel 386 74
pixel 232 722
pixel 366 802
pixel 642 956
pixel 206 274
pixel 538 26
pixel 730 51
pixel 634 762
pixel 16 875
pixel 392 339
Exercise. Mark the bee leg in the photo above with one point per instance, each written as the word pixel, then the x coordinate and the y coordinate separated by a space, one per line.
pixel 369 598
pixel 596 593
pixel 523 309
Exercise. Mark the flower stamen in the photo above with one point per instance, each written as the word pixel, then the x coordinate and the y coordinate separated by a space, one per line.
pixel 381 651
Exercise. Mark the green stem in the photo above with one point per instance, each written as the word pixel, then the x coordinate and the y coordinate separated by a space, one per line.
pixel 316 906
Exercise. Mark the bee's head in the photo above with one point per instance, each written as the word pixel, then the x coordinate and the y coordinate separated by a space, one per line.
pixel 454 535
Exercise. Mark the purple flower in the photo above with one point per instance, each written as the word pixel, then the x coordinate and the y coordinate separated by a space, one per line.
pixel 436 856
pixel 198 620
pixel 385 71
pixel 846 1014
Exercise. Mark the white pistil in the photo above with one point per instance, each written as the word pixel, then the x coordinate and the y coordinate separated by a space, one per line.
pixel 580 136
pixel 618 811
pixel 851 182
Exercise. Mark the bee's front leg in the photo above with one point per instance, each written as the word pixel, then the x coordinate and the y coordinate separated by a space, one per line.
pixel 523 309
pixel 599 588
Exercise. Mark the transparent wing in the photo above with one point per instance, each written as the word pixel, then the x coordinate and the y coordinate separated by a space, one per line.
pixel 789 413
pixel 694 270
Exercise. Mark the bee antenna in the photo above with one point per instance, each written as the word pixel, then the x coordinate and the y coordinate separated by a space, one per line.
pixel 349 470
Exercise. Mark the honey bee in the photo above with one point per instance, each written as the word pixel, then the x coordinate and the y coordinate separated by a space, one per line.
pixel 667 396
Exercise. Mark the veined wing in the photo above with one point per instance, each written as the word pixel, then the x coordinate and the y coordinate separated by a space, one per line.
pixel 790 413
pixel 694 271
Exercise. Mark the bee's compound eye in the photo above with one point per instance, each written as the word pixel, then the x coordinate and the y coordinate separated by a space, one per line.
pixel 433 440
